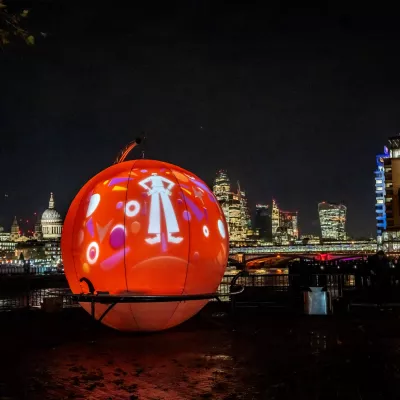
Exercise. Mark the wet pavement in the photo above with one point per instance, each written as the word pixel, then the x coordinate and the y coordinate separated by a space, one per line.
pixel 270 355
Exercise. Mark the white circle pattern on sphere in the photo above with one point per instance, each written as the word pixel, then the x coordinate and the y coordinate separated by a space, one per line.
pixel 221 229
pixel 91 260
pixel 93 203
pixel 206 231
pixel 132 208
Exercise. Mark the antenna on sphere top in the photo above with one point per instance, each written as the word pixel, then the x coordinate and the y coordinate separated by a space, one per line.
pixel 130 146
pixel 144 144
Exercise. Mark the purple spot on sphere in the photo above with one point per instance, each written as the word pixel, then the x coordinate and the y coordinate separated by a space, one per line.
pixel 117 237
pixel 143 171
pixel 119 205
pixel 187 216
pixel 112 261
pixel 163 243
pixel 115 181
pixel 92 253
pixel 90 227
pixel 180 201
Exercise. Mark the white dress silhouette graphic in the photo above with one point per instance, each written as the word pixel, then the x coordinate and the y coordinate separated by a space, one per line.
pixel 160 197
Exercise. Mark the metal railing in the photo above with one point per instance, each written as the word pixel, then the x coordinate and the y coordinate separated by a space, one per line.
pixel 265 286
pixel 349 248
pixel 23 270
pixel 34 298
pixel 273 282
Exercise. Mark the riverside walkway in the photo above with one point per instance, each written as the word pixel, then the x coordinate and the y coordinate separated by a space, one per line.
pixel 270 355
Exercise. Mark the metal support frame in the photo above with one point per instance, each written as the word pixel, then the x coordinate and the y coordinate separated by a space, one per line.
pixel 113 300
pixel 130 146
pixel 109 308
pixel 232 285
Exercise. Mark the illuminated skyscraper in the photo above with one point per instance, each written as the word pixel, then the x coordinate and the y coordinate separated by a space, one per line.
pixel 222 192
pixel 234 205
pixel 288 224
pixel 332 219
pixel 236 232
pixel 275 221
pixel 387 189
pixel 222 185
pixel 284 225
pixel 380 193
pixel 244 210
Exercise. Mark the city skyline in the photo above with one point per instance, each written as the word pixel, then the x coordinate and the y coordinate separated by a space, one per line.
pixel 27 226
pixel 280 109
pixel 27 220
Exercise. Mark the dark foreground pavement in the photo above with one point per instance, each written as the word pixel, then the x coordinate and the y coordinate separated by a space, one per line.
pixel 269 356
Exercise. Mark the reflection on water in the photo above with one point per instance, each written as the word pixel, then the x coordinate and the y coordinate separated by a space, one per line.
pixel 223 357
pixel 317 343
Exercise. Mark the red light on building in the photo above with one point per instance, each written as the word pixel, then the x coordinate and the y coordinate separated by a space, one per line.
pixel 324 257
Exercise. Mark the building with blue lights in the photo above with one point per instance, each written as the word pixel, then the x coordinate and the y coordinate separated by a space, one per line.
pixel 380 193
pixel 387 194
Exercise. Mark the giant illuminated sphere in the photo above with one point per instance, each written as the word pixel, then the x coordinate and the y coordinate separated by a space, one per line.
pixel 145 227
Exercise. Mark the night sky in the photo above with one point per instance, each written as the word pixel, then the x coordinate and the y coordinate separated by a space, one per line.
pixel 294 103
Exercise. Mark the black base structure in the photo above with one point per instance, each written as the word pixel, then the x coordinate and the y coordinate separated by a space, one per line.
pixel 112 300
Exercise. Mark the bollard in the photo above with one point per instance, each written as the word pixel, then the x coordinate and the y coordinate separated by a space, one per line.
pixel 316 302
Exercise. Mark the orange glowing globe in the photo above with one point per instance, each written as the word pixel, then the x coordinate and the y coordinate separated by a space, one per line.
pixel 145 227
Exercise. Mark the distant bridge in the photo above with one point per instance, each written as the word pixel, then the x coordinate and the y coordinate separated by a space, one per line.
pixel 276 254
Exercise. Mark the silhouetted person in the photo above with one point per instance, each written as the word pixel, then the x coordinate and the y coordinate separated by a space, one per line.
pixel 380 277
pixel 396 278
pixel 358 276
pixel 396 265
pixel 362 273
pixel 294 273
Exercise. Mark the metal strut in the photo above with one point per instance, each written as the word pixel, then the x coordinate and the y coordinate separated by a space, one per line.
pixel 109 308
pixel 125 151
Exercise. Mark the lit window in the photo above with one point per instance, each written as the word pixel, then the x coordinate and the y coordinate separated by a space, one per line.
pixel 379 201
pixel 378 181
pixel 396 153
